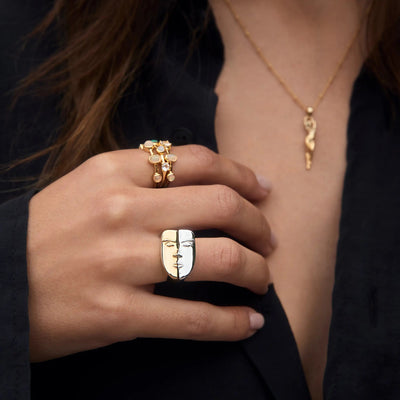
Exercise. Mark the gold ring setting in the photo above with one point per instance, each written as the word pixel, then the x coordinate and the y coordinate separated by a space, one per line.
pixel 162 159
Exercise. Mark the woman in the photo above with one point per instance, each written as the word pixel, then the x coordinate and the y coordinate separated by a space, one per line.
pixel 87 236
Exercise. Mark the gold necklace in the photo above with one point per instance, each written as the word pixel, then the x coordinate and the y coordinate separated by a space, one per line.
pixel 310 124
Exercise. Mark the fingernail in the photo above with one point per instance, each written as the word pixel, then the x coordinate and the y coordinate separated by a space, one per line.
pixel 256 321
pixel 274 240
pixel 264 182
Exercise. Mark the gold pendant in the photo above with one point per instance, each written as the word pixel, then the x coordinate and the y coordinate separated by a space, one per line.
pixel 310 125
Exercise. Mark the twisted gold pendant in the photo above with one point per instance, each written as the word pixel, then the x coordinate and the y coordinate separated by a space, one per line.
pixel 310 125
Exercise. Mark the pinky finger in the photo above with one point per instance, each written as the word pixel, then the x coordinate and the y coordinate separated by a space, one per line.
pixel 166 317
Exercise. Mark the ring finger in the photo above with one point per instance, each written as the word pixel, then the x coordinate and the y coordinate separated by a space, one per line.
pixel 217 259
pixel 196 165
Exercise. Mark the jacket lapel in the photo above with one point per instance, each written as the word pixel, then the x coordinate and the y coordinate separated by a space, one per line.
pixel 273 351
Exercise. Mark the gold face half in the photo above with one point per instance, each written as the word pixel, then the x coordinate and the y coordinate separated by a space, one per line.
pixel 178 252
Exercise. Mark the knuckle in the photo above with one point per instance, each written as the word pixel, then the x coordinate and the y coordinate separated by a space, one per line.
pixel 240 323
pixel 229 203
pixel 120 308
pixel 229 258
pixel 199 325
pixel 103 164
pixel 263 228
pixel 263 283
pixel 203 156
pixel 104 311
pixel 108 259
pixel 114 209
pixel 265 280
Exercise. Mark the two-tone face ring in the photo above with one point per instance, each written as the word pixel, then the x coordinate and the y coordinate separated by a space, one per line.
pixel 178 252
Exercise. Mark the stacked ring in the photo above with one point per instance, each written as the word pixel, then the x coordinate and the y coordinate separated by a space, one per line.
pixel 162 159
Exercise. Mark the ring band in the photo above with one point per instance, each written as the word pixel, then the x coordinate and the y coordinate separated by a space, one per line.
pixel 178 252
pixel 162 160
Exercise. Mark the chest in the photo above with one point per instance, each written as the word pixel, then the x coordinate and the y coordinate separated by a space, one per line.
pixel 258 124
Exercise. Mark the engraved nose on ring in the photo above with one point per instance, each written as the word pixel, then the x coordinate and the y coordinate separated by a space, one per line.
pixel 177 256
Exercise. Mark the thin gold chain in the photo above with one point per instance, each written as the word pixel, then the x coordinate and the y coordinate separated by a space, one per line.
pixel 279 77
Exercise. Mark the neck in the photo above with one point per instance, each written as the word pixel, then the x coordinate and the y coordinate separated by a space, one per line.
pixel 316 13
pixel 315 8
pixel 308 20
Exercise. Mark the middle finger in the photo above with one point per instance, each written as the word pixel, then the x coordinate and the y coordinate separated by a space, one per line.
pixel 209 207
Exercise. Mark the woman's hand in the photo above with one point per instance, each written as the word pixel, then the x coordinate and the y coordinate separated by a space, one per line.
pixel 93 251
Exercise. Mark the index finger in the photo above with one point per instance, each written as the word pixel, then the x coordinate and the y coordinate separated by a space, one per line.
pixel 201 166
pixel 196 165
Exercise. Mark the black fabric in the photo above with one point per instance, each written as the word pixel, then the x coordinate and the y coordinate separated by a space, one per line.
pixel 14 330
pixel 364 345
pixel 176 101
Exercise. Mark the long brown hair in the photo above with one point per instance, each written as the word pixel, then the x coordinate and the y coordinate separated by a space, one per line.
pixel 91 70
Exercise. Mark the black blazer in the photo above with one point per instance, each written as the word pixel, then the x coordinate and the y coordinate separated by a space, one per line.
pixel 176 101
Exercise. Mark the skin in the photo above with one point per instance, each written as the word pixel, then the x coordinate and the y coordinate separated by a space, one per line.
pixel 304 41
pixel 93 251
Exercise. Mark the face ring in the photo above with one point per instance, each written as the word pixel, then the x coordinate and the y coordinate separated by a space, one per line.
pixel 178 252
